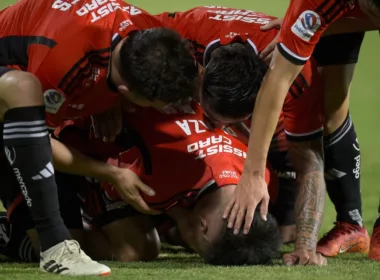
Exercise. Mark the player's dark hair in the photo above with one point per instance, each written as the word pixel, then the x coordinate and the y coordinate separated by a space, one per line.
pixel 375 3
pixel 157 64
pixel 232 80
pixel 260 246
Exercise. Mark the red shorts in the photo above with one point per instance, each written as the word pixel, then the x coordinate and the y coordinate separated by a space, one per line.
pixel 303 109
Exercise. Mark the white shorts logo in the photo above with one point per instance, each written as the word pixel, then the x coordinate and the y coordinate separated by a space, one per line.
pixel 306 25
pixel 53 101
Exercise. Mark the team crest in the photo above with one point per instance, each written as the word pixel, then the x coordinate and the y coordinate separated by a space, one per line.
pixel 53 100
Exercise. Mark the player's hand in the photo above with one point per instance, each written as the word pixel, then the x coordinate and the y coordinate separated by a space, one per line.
pixel 304 257
pixel 248 194
pixel 129 186
pixel 273 24
pixel 108 125
pixel 267 53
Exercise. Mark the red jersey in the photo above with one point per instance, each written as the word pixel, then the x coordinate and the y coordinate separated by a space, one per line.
pixel 177 155
pixel 211 26
pixel 306 20
pixel 278 156
pixel 67 44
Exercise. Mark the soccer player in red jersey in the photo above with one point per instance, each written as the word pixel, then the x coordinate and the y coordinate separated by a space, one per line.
pixel 72 58
pixel 304 23
pixel 228 47
pixel 337 56
pixel 193 171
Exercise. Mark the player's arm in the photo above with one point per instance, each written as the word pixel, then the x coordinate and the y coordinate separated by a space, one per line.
pixel 252 188
pixel 269 103
pixel 71 161
pixel 125 181
pixel 307 159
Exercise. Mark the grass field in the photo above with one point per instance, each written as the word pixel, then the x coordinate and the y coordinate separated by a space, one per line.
pixel 364 109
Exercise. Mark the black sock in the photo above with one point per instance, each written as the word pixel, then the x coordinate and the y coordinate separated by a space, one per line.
pixel 14 242
pixel 28 150
pixel 342 172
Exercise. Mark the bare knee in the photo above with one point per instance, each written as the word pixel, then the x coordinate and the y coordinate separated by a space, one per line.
pixel 132 239
pixel 20 89
pixel 147 248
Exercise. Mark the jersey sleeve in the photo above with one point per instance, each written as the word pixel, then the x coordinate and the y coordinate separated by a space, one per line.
pixel 55 72
pixel 303 107
pixel 227 163
pixel 79 135
pixel 78 53
pixel 304 23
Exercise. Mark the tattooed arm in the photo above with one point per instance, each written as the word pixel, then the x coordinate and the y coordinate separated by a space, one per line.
pixel 307 159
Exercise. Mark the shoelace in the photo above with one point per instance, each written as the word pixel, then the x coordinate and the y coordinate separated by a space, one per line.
pixel 71 253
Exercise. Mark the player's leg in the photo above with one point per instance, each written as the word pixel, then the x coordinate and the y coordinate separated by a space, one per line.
pixel 23 243
pixel 125 240
pixel 19 239
pixel 338 55
pixel 119 232
pixel 15 242
pixel 27 148
pixel 28 152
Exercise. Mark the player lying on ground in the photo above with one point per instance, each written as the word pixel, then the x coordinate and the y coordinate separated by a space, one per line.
pixel 233 37
pixel 193 172
pixel 304 23
pixel 78 58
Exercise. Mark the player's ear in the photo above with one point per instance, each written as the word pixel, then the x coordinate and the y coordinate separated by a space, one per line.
pixel 203 225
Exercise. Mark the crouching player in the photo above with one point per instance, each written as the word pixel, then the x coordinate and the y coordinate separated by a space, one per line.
pixel 193 171
pixel 341 149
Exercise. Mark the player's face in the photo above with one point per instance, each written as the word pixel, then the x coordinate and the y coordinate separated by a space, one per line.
pixel 218 120
pixel 370 9
pixel 206 220
pixel 143 102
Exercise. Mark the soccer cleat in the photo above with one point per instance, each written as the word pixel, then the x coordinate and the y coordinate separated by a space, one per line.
pixel 67 258
pixel 374 252
pixel 344 238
